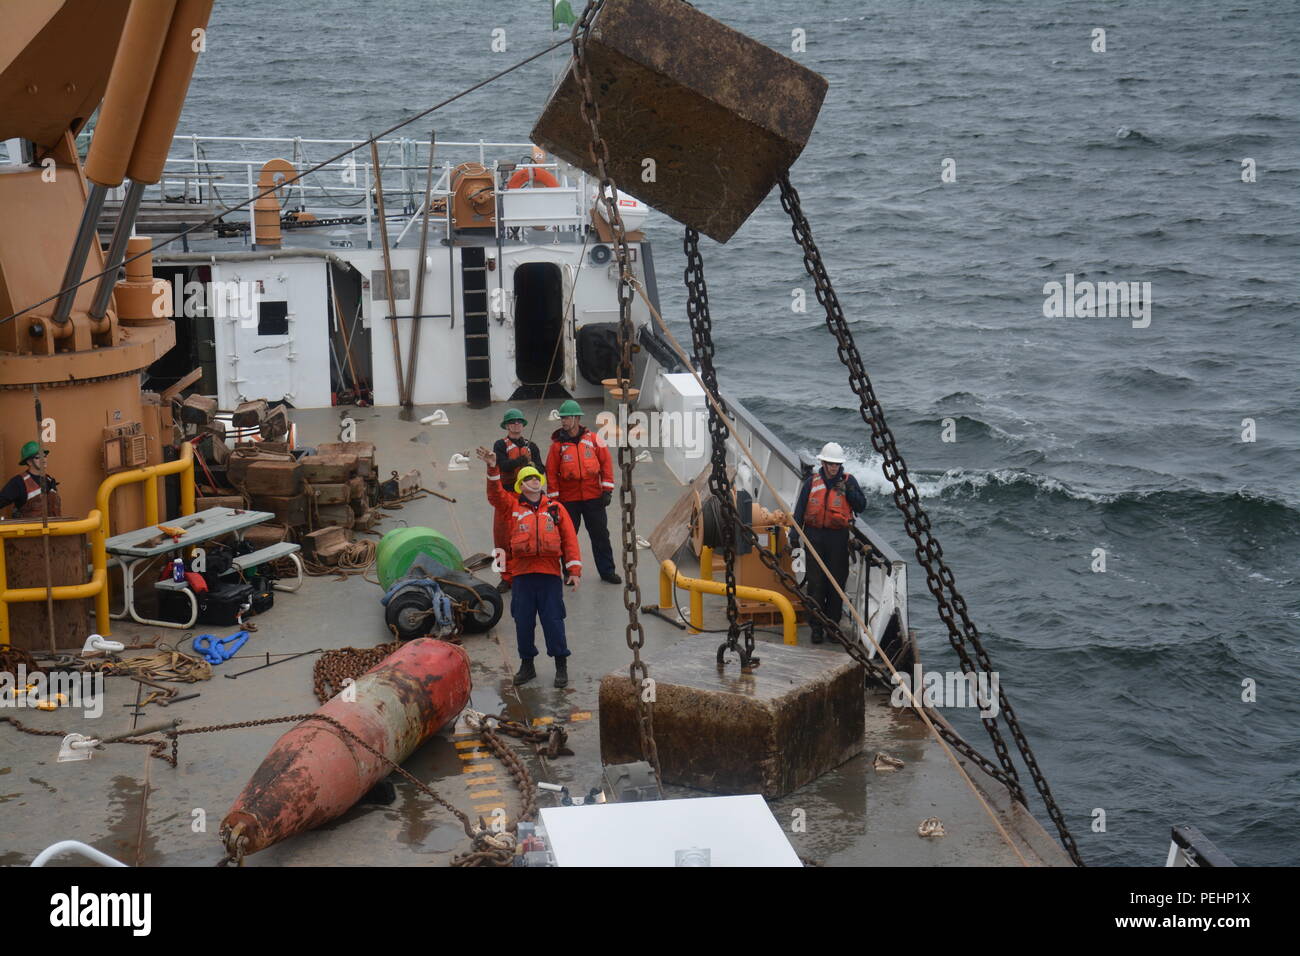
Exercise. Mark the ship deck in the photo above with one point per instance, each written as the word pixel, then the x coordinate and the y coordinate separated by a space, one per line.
pixel 143 812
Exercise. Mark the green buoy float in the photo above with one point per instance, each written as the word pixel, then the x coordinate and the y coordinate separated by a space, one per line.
pixel 398 548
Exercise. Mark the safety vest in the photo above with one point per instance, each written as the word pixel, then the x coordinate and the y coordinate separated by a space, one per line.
pixel 578 460
pixel 31 508
pixel 535 532
pixel 514 451
pixel 827 508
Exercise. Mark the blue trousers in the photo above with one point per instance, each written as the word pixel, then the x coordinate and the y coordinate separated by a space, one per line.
pixel 534 596
pixel 598 528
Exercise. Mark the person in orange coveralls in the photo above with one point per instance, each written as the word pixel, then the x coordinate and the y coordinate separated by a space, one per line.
pixel 543 553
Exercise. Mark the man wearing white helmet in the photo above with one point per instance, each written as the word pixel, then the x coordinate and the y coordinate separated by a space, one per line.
pixel 828 500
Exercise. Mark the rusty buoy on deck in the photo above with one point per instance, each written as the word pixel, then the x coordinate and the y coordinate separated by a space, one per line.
pixel 315 772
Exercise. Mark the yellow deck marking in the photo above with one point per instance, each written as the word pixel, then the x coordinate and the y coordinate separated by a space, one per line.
pixel 476 755
pixel 543 721
pixel 477 768
pixel 461 744
pixel 481 781
pixel 486 793
pixel 581 715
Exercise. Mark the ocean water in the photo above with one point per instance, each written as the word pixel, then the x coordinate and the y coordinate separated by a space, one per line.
pixel 1071 433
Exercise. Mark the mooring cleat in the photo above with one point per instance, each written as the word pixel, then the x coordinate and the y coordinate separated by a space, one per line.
pixel 561 672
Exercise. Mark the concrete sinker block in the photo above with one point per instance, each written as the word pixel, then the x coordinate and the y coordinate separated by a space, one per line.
pixel 797 716
pixel 720 115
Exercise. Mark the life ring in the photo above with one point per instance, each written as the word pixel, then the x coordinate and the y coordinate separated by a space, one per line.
pixel 538 177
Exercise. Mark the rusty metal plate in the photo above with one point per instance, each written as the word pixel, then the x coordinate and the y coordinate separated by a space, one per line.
pixel 721 115
pixel 800 714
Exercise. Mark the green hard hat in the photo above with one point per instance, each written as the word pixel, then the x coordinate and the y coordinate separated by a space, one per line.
pixel 570 408
pixel 30 450
pixel 513 415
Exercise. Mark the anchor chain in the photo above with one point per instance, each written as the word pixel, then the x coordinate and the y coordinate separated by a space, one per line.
pixel 697 311
pixel 929 554
pixel 598 150
pixel 702 338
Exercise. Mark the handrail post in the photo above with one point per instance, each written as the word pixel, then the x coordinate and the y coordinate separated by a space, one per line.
pixel 99 561
pixel 187 480
pixel 4 605
pixel 151 500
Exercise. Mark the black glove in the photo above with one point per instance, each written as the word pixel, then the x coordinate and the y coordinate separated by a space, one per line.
pixel 606 498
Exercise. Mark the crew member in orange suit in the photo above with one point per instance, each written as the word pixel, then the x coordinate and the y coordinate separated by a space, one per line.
pixel 581 476
pixel 543 553
pixel 513 452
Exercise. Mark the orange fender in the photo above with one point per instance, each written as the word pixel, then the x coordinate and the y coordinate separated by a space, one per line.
pixel 315 773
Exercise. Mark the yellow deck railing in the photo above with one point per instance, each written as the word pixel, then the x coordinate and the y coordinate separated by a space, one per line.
pixel 95 524
pixel 698 587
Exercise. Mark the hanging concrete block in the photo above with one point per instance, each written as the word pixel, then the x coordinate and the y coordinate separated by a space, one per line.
pixel 700 119
pixel 797 716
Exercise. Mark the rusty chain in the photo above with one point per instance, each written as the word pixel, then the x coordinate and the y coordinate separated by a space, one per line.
pixel 483 723
pixel 598 151
pixel 158 748
pixel 929 553
pixel 339 664
pixel 555 737
pixel 697 311
pixel 702 340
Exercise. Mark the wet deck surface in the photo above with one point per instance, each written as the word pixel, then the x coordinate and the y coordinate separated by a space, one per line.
pixel 144 812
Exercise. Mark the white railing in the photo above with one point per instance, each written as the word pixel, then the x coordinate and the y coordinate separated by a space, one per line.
pixel 224 170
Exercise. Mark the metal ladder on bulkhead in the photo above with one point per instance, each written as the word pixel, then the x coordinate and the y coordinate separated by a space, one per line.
pixel 474 305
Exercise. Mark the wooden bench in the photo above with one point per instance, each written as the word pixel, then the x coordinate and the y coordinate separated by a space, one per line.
pixel 183 587
pixel 274 552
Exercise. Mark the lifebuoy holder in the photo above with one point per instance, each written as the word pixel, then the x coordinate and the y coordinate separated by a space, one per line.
pixel 532 176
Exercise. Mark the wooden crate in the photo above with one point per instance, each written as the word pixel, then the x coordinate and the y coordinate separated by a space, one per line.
pixel 273 478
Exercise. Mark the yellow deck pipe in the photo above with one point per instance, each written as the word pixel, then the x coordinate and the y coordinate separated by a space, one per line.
pixel 96 525
pixel 96 587
pixel 668 574
pixel 184 466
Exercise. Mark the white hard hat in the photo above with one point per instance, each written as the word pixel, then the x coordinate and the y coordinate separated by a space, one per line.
pixel 832 452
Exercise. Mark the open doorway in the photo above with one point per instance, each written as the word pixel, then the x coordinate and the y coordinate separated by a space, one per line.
pixel 539 324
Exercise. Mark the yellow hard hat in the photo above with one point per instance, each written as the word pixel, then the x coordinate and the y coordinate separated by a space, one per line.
pixel 528 471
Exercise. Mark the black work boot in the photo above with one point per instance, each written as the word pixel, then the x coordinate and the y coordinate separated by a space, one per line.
pixel 817 637
pixel 561 672
pixel 526 671
pixel 611 578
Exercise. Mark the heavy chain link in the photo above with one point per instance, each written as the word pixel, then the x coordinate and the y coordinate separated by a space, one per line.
pixel 598 151
pixel 939 578
pixel 487 726
pixel 697 311
pixel 340 664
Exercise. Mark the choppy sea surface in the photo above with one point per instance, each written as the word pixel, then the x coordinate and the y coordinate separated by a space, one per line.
pixel 1071 433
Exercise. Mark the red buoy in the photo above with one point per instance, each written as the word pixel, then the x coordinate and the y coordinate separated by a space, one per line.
pixel 315 773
